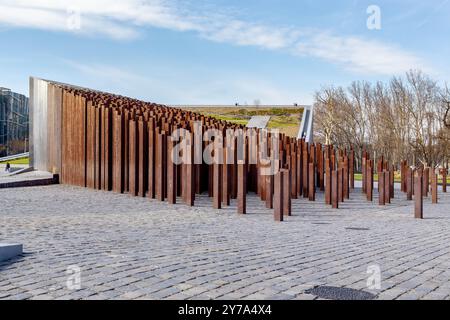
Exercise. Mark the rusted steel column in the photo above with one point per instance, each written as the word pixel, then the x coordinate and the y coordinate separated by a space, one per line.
pixel 320 167
pixel 278 197
pixel 403 172
pixel 143 158
pixel 160 164
pixel 426 181
pixel 287 204
pixel 151 159
pixel 363 172
pixel 299 169
pixel 311 187
pixel 269 191
pixel 293 174
pixel 418 208
pixel 171 173
pixel 107 155
pixel 387 183
pixel 190 171
pixel 409 183
pixel 217 183
pixel 434 188
pixel 352 169
pixel 118 155
pixel 381 187
pixel 340 185
pixel 444 180
pixel 346 178
pixel 392 182
pixel 327 182
pixel 226 180
pixel 133 162
pixel 334 190
pixel 305 171
pixel 242 187
pixel 369 187
pixel 98 153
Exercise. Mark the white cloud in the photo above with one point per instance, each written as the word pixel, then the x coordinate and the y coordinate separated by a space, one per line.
pixel 359 55
pixel 123 20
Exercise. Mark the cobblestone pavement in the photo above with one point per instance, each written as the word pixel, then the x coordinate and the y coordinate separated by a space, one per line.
pixel 134 248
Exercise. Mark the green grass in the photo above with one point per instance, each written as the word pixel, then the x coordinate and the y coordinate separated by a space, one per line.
pixel 229 119
pixel 18 161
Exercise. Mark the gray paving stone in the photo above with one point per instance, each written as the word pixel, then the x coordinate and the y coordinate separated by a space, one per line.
pixel 133 248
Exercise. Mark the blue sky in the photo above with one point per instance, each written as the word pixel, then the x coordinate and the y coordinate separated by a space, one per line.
pixel 219 52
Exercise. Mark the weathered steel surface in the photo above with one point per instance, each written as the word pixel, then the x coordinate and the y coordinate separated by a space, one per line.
pixel 110 142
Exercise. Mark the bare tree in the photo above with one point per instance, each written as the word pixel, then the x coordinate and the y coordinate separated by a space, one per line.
pixel 406 118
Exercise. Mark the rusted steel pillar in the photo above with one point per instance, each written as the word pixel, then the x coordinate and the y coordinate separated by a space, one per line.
pixel 287 203
pixel 434 188
pixel 160 165
pixel 143 158
pixel 151 159
pixel 299 169
pixel 392 182
pixel 242 187
pixel 328 186
pixel 404 175
pixel 418 208
pixel 444 180
pixel 118 155
pixel 305 170
pixel 363 172
pixel 426 181
pixel 226 180
pixel 321 169
pixel 311 187
pixel 387 183
pixel 133 162
pixel 269 191
pixel 352 169
pixel 334 190
pixel 171 173
pixel 369 187
pixel 346 178
pixel 217 192
pixel 409 183
pixel 381 187
pixel 190 171
pixel 278 197
pixel 293 173
pixel 341 185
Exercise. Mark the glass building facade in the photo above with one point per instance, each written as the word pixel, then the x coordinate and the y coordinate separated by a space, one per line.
pixel 13 122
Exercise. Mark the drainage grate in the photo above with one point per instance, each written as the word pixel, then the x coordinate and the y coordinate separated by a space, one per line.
pixel 336 293
pixel 358 229
pixel 321 223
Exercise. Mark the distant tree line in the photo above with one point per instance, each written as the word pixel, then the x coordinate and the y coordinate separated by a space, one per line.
pixel 406 118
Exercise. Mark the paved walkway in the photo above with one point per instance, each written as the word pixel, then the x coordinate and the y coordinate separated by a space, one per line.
pixel 133 248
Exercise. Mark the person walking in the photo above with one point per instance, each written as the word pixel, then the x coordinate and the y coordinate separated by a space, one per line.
pixel 8 167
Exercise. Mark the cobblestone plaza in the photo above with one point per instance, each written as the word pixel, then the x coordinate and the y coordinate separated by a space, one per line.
pixel 134 248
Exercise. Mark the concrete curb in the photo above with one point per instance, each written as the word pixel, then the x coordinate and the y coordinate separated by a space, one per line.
pixel 31 183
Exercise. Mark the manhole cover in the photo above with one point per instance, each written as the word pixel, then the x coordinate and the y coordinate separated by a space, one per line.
pixel 358 229
pixel 336 293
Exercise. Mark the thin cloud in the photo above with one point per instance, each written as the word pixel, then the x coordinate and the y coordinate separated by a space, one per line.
pixel 125 20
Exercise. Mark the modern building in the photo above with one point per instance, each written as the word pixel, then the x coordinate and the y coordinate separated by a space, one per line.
pixel 13 122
